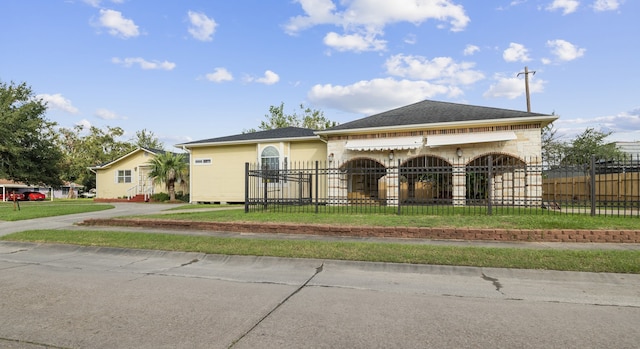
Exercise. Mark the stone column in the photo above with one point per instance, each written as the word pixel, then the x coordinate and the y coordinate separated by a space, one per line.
pixel 338 187
pixel 459 190
pixel 391 184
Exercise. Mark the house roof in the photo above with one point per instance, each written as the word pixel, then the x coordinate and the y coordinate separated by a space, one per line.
pixel 278 134
pixel 109 163
pixel 432 113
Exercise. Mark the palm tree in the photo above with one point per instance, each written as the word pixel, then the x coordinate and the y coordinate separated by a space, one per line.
pixel 169 168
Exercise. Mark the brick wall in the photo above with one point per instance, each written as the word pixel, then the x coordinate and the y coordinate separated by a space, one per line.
pixel 524 235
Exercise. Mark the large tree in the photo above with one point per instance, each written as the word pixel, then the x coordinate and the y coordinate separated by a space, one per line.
pixel 309 118
pixel 553 149
pixel 83 148
pixel 170 169
pixel 591 143
pixel 27 148
pixel 147 139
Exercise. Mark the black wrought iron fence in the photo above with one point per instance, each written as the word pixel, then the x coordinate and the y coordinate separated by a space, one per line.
pixel 490 184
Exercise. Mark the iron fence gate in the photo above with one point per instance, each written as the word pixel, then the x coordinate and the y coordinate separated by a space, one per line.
pixel 489 184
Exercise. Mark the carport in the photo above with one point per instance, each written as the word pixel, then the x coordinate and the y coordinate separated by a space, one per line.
pixel 7 186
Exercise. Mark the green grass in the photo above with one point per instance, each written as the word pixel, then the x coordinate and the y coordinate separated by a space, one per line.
pixel 610 261
pixel 39 209
pixel 453 220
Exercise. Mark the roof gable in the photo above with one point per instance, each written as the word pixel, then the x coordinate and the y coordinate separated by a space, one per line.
pixel 291 133
pixel 131 153
pixel 433 112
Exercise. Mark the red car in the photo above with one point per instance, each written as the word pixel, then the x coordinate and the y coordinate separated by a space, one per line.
pixel 10 197
pixel 34 196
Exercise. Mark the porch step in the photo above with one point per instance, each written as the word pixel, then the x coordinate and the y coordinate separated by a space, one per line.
pixel 137 198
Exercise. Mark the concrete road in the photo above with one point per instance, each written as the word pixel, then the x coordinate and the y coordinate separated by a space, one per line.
pixel 58 296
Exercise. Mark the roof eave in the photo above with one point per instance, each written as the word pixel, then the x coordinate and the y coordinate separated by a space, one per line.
pixel 249 141
pixel 517 120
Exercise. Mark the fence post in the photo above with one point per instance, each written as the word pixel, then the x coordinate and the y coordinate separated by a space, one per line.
pixel 246 187
pixel 399 189
pixel 593 185
pixel 265 181
pixel 490 186
pixel 316 185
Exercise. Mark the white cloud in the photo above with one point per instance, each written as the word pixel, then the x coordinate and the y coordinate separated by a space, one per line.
pixel 567 6
pixel 144 64
pixel 516 53
pixel 57 101
pixel 269 78
pixel 105 114
pixel 606 5
pixel 470 50
pixel 512 87
pixel 377 95
pixel 118 25
pixel 368 18
pixel 443 70
pixel 564 50
pixel 86 125
pixel 202 27
pixel 354 42
pixel 411 39
pixel 220 75
pixel 96 3
pixel 625 126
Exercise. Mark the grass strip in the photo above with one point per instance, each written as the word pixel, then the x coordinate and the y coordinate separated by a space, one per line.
pixel 507 221
pixel 609 261
pixel 31 210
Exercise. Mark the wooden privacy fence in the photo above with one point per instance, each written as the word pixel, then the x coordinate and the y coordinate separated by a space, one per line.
pixel 610 189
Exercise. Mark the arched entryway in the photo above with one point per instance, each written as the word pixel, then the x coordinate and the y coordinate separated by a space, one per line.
pixel 500 179
pixel 362 176
pixel 426 180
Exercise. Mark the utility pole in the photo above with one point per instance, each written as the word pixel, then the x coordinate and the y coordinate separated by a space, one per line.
pixel 526 85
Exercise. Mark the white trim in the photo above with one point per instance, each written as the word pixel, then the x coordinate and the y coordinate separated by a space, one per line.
pixel 438 125
pixel 249 141
pixel 468 138
pixel 391 143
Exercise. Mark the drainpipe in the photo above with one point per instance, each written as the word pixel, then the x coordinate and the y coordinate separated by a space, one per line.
pixel 190 181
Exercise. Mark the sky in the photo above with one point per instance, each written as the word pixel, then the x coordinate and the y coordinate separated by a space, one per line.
pixel 191 70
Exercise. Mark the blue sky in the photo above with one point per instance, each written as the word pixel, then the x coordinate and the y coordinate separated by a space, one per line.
pixel 189 70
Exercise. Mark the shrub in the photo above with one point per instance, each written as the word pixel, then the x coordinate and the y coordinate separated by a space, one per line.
pixel 160 197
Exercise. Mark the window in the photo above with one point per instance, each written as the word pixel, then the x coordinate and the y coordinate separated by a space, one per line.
pixel 202 161
pixel 270 159
pixel 123 176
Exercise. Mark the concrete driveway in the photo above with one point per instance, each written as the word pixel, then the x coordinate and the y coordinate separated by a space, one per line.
pixel 59 222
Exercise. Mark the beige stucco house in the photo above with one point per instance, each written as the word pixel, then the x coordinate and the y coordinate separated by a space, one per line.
pixel 128 177
pixel 217 165
pixel 445 141
pixel 399 151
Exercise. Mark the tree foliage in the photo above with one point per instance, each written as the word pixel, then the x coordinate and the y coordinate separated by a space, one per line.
pixel 84 148
pixel 309 118
pixel 27 148
pixel 553 149
pixel 591 143
pixel 147 139
pixel 170 169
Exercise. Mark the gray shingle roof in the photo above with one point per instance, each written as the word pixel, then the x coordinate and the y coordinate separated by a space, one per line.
pixel 433 112
pixel 279 133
